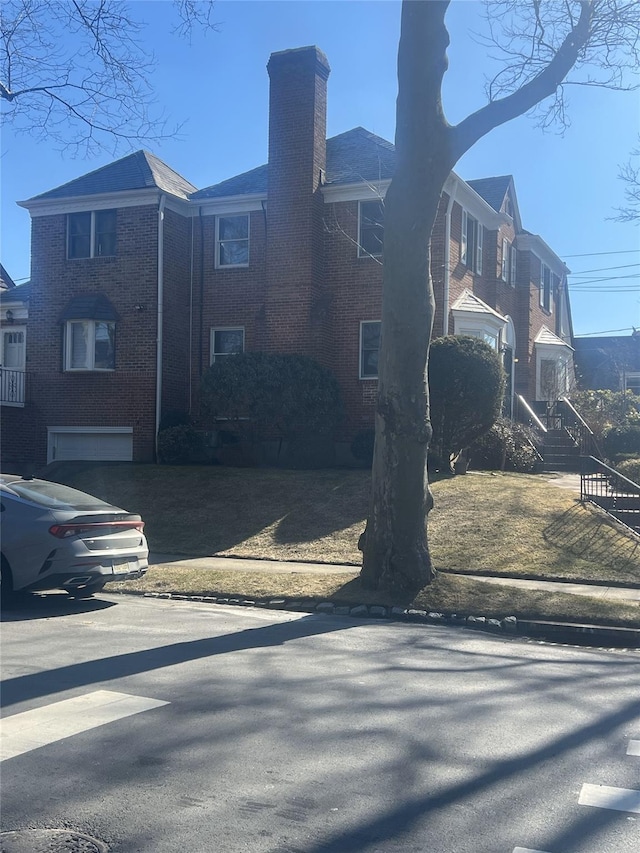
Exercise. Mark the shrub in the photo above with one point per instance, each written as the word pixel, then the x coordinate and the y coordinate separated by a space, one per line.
pixel 630 468
pixel 507 446
pixel 362 446
pixel 604 410
pixel 466 383
pixel 272 396
pixel 174 417
pixel 180 445
pixel 622 440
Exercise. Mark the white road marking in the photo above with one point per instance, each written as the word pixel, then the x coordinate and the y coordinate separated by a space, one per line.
pixel 526 850
pixel 603 797
pixel 29 730
pixel 634 747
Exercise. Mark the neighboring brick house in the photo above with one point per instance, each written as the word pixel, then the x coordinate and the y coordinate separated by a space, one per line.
pixel 611 363
pixel 139 280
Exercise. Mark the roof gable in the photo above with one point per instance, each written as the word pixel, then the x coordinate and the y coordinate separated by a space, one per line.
pixel 548 338
pixel 137 171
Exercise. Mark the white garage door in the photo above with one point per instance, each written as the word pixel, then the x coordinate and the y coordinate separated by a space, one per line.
pixel 101 445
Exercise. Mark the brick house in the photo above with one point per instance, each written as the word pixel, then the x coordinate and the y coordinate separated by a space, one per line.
pixel 140 280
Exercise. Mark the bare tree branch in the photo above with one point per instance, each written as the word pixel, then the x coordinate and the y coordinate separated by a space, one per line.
pixel 77 72
pixel 630 175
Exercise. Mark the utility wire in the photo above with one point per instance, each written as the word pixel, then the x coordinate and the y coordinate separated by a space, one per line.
pixel 595 254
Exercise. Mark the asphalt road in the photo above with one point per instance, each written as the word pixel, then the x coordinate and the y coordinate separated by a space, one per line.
pixel 228 729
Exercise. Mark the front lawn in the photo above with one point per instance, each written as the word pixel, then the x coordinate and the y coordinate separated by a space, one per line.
pixel 514 525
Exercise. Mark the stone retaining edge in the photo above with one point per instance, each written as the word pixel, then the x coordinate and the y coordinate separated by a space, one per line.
pixel 563 632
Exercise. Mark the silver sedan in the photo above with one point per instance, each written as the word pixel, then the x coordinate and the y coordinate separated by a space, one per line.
pixel 55 537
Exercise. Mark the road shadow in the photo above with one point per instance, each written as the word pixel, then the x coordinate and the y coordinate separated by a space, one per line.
pixel 25 607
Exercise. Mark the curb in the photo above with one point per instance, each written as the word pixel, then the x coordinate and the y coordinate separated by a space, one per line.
pixel 609 636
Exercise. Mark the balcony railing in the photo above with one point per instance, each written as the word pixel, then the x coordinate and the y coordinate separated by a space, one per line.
pixel 13 386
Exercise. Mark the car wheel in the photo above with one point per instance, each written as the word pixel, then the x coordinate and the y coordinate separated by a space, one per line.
pixel 6 582
pixel 86 591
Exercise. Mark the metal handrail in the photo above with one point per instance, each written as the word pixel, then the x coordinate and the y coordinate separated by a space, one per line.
pixel 536 420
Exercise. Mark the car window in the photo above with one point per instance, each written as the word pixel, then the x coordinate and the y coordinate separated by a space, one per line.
pixel 55 495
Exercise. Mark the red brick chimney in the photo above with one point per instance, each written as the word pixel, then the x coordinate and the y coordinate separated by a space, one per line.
pixel 295 313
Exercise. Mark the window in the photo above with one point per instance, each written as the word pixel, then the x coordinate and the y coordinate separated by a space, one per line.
pixel 471 243
pixel 504 264
pixel 513 265
pixel 91 234
pixel 489 336
pixel 371 229
pixel 632 382
pixel 232 241
pixel 226 342
pixel 545 287
pixel 369 347
pixel 89 345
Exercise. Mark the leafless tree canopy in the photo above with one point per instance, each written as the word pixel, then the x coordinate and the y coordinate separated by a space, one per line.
pixel 526 37
pixel 77 72
pixel 630 174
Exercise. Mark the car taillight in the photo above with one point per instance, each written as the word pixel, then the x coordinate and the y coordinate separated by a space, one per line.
pixel 62 531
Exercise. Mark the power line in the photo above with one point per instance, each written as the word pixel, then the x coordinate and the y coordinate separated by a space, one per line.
pixel 607 332
pixel 595 254
pixel 604 269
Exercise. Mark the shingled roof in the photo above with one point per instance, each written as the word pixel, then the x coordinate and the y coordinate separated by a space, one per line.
pixel 492 190
pixel 600 360
pixel 137 171
pixel 354 156
pixel 6 282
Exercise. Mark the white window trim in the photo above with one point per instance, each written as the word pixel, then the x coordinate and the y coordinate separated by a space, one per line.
pixel 546 267
pixel 513 265
pixel 212 335
pixel 504 263
pixel 463 237
pixel 362 253
pixel 479 246
pixel 92 237
pixel 91 347
pixel 360 374
pixel 476 262
pixel 217 263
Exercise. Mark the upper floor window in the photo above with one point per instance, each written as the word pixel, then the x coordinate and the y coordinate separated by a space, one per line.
pixel 471 243
pixel 232 241
pixel 226 342
pixel 371 229
pixel 513 265
pixel 545 287
pixel 504 263
pixel 91 234
pixel 369 349
pixel 90 345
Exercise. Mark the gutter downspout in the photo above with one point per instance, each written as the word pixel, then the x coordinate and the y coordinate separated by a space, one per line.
pixel 159 333
pixel 447 262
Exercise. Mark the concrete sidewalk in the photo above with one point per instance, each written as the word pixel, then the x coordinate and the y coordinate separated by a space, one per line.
pixel 237 564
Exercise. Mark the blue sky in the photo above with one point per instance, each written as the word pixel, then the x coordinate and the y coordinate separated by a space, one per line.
pixel 567 186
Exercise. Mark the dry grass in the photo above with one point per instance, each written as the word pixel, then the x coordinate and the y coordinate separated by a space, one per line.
pixel 448 594
pixel 503 524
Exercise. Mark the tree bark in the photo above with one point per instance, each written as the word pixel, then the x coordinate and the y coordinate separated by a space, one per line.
pixel 394 544
pixel 395 548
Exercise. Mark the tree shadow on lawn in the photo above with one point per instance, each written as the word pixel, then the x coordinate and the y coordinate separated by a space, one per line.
pixel 202 510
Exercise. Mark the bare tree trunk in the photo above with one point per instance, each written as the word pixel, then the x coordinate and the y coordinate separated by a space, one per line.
pixel 395 549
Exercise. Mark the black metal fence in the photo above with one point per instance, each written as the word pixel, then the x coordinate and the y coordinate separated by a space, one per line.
pixel 611 491
pixel 13 386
